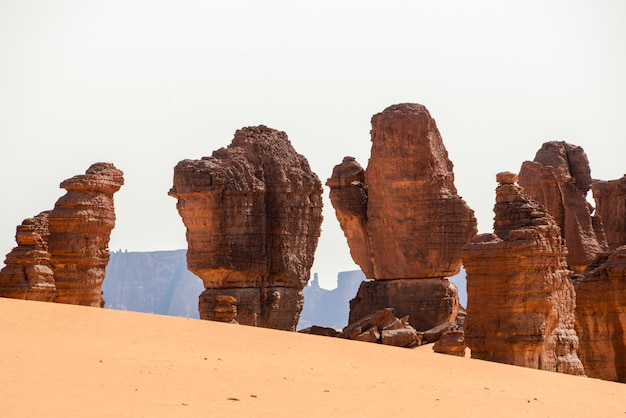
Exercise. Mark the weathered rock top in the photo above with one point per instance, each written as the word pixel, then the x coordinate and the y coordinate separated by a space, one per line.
pixel 506 177
pixel 568 160
pixel 99 177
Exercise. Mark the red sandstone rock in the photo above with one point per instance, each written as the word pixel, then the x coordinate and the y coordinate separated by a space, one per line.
pixel 403 218
pixel 452 343
pixel 520 298
pixel 601 318
pixel 610 198
pixel 62 254
pixel 348 194
pixel 434 334
pixel 559 178
pixel 253 213
pixel 28 272
pixel 80 227
pixel 383 327
pixel 403 337
pixel 428 302
pixel 322 331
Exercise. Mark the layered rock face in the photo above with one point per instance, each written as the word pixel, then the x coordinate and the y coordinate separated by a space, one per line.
pixel 601 318
pixel 559 178
pixel 520 298
pixel 610 198
pixel 403 219
pixel 62 254
pixel 253 213
pixel 80 226
pixel 28 273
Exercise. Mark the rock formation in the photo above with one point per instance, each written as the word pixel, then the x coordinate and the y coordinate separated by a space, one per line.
pixel 28 272
pixel 80 226
pixel 403 220
pixel 520 298
pixel 610 198
pixel 427 301
pixel 253 213
pixel 62 254
pixel 383 327
pixel 601 317
pixel 226 309
pixel 559 178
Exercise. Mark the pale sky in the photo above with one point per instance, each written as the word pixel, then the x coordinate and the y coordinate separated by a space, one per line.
pixel 145 84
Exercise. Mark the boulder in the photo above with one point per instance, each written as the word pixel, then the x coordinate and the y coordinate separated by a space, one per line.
pixel 383 327
pixel 452 343
pixel 253 214
pixel 520 298
pixel 402 337
pixel 434 334
pixel 322 331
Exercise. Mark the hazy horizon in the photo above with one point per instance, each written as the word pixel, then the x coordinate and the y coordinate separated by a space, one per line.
pixel 145 84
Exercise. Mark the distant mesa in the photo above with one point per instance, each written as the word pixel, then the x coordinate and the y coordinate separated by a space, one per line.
pixel 155 282
pixel 62 254
pixel 330 308
pixel 403 220
pixel 253 213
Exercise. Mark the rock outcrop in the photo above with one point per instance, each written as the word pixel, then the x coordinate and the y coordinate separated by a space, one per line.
pixel 601 317
pixel 63 253
pixel 520 298
pixel 28 273
pixel 403 218
pixel 80 226
pixel 253 213
pixel 610 198
pixel 559 178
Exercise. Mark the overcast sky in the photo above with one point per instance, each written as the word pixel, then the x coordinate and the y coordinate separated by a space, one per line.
pixel 145 84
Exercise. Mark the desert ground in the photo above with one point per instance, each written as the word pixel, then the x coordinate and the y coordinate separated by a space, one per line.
pixel 73 361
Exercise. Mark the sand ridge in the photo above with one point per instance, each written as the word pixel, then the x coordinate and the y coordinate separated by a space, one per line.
pixel 73 361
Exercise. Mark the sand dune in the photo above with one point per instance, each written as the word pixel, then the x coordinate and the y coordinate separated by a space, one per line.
pixel 71 361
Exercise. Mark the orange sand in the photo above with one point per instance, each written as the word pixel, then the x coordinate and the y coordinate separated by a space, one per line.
pixel 69 361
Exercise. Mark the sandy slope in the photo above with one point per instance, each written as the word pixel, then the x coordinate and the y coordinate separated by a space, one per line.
pixel 68 361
